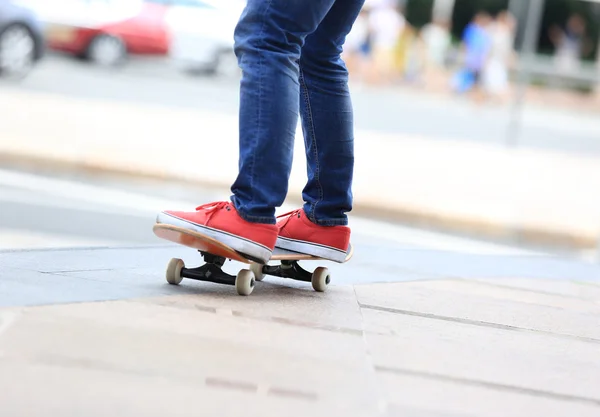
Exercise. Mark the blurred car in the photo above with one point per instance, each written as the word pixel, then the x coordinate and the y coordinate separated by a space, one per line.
pixel 195 34
pixel 21 39
pixel 104 31
pixel 202 34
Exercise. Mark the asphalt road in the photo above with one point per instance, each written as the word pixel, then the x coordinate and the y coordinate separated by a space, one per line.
pixel 387 110
pixel 47 209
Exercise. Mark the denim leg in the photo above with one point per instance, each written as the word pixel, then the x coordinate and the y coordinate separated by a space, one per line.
pixel 268 40
pixel 327 117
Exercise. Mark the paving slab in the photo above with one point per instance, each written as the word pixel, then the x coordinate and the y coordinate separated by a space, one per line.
pixel 482 289
pixel 106 334
pixel 442 397
pixel 70 390
pixel 572 289
pixel 478 310
pixel 454 350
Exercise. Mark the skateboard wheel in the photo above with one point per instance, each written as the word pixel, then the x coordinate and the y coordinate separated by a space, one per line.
pixel 244 282
pixel 320 279
pixel 173 273
pixel 257 270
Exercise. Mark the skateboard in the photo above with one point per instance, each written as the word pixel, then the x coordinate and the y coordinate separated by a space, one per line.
pixel 216 253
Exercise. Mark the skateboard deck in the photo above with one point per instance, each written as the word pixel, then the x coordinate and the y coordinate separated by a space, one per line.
pixel 216 253
pixel 203 243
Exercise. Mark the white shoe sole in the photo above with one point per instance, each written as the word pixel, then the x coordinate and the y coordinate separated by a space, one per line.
pixel 313 249
pixel 245 246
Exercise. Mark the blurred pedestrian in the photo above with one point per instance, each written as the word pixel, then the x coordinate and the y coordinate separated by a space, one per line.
pixel 570 43
pixel 386 24
pixel 476 45
pixel 501 55
pixel 357 48
pixel 437 40
pixel 290 56
pixel 436 54
pixel 410 55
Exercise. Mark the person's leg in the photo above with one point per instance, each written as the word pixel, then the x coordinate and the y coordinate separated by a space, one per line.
pixel 268 40
pixel 268 43
pixel 328 127
pixel 327 117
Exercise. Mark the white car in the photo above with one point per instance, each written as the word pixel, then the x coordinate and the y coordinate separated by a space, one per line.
pixel 202 34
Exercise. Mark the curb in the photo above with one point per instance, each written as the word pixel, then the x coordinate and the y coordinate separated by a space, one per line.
pixel 435 221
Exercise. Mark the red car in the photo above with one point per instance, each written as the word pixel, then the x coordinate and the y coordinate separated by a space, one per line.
pixel 106 31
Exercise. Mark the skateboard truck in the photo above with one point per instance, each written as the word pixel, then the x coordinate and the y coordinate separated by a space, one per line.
pixel 245 280
pixel 211 271
pixel 291 269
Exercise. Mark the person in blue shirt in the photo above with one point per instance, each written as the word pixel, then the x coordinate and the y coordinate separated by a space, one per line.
pixel 477 43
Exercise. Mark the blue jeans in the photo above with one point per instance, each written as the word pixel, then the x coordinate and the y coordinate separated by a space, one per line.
pixel 289 52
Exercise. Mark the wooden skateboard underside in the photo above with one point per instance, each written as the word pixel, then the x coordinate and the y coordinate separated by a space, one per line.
pixel 207 244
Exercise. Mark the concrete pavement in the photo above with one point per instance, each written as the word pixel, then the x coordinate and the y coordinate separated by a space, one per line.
pixel 531 196
pixel 389 338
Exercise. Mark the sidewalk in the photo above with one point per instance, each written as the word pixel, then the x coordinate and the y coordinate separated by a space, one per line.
pixel 98 332
pixel 531 196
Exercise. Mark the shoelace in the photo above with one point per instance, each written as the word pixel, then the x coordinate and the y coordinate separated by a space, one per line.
pixel 290 214
pixel 211 208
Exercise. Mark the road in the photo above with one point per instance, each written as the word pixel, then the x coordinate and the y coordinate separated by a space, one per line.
pixel 387 110
pixel 45 209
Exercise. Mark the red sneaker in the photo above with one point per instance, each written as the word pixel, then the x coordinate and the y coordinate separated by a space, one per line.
pixel 222 222
pixel 297 233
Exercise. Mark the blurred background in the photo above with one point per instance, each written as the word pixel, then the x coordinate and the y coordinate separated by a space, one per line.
pixel 480 117
pixel 474 288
